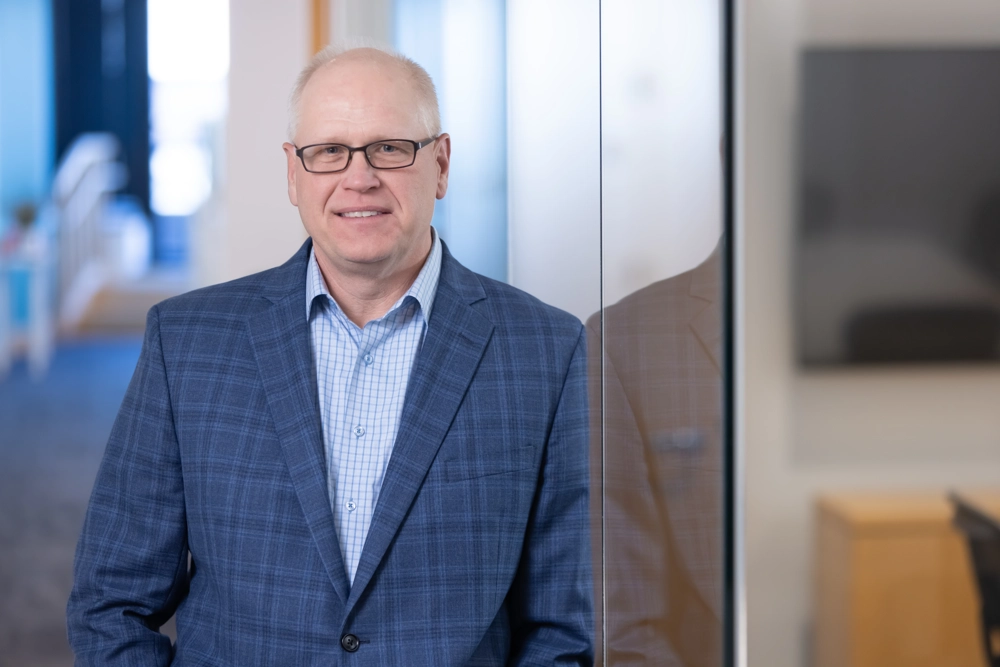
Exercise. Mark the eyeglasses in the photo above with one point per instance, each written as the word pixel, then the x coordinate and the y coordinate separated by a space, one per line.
pixel 384 154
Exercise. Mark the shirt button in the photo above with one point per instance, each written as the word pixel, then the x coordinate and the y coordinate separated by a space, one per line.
pixel 359 431
pixel 351 505
pixel 369 359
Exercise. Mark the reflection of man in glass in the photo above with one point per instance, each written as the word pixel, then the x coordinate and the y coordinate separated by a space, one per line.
pixel 369 455
pixel 662 471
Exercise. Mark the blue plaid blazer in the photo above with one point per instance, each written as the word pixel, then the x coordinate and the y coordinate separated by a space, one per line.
pixel 211 501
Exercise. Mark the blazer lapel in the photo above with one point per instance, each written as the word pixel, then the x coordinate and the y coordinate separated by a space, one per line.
pixel 456 338
pixel 279 334
pixel 706 324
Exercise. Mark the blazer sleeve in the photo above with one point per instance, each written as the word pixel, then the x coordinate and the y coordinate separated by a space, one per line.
pixel 130 571
pixel 551 606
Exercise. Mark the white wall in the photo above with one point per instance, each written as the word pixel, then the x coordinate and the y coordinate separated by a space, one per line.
pixel 553 99
pixel 256 227
pixel 901 22
pixel 368 19
pixel 809 433
pixel 661 85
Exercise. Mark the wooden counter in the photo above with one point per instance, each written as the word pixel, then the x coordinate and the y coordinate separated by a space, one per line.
pixel 894 582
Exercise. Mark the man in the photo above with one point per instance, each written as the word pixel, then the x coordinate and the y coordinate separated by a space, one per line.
pixel 661 466
pixel 367 456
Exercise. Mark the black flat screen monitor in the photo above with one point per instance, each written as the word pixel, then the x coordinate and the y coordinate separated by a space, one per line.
pixel 898 206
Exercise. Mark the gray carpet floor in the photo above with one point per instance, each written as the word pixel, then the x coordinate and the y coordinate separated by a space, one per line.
pixel 52 436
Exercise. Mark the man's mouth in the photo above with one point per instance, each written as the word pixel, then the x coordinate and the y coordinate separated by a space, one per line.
pixel 359 214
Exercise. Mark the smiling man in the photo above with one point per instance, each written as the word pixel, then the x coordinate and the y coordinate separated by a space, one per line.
pixel 369 455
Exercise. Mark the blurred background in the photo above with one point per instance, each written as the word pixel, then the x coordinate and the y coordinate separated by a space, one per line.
pixel 873 574
pixel 140 157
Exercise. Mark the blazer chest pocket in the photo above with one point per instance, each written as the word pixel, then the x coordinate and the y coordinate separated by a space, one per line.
pixel 489 463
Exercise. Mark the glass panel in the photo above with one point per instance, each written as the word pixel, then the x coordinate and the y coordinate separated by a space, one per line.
pixel 657 356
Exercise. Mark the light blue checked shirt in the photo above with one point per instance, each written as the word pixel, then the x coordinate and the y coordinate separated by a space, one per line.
pixel 361 375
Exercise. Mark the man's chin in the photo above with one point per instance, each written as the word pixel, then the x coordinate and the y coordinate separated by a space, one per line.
pixel 344 251
pixel 363 259
pixel 367 261
pixel 369 255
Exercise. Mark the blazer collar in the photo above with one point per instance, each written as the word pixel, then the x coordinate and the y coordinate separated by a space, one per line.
pixel 288 280
pixel 707 322
pixel 706 278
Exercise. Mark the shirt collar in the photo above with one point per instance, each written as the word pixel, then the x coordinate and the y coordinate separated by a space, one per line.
pixel 423 289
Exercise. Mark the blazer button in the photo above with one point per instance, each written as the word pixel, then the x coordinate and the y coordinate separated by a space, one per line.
pixel 350 643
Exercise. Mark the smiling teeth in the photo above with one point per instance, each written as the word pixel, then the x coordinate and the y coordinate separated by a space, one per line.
pixel 359 214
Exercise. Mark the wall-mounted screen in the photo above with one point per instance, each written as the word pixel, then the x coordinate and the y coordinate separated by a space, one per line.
pixel 898 224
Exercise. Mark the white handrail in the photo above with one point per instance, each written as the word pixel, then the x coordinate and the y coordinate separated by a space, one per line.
pixel 87 176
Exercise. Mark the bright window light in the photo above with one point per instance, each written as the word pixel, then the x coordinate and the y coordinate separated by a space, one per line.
pixel 188 40
pixel 181 178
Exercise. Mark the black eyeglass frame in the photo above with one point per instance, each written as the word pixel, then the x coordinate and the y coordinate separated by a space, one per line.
pixel 417 145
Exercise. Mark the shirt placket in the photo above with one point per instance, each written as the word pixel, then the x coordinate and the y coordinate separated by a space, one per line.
pixel 331 380
pixel 393 385
pixel 364 440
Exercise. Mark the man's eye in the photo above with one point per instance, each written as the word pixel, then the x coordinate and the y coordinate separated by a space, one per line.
pixel 387 148
pixel 333 150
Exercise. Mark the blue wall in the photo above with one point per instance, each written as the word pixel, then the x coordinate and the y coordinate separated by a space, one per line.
pixel 27 133
pixel 26 103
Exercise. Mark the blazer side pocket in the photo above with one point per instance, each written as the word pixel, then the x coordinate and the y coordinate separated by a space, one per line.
pixel 489 463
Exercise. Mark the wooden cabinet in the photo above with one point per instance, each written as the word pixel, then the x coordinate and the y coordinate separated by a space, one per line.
pixel 894 583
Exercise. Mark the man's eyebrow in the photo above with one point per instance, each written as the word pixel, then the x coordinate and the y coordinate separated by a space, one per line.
pixel 341 142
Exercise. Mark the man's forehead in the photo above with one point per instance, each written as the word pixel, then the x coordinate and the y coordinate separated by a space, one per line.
pixel 337 106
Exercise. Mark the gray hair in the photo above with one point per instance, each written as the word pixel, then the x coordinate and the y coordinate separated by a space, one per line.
pixel 427 103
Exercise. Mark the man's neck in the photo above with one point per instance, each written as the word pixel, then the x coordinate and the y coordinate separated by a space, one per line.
pixel 364 296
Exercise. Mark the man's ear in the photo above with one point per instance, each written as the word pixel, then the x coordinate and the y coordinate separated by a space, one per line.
pixel 443 157
pixel 292 164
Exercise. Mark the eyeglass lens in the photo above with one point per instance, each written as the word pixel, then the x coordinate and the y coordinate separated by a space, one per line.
pixel 381 155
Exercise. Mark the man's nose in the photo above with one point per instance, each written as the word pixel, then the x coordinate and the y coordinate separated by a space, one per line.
pixel 360 175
